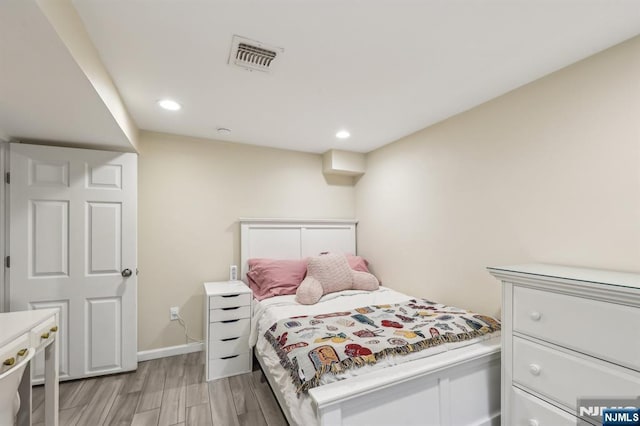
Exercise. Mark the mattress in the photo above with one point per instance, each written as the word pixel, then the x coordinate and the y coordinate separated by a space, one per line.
pixel 269 311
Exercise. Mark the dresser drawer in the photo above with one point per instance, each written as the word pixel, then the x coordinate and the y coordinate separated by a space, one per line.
pixel 230 300
pixel 219 348
pixel 236 364
pixel 529 410
pixel 564 377
pixel 605 330
pixel 228 329
pixel 225 314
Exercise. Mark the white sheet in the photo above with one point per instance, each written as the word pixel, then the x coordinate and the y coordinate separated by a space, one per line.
pixel 269 311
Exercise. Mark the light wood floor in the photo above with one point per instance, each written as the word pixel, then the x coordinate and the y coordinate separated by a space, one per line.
pixel 167 391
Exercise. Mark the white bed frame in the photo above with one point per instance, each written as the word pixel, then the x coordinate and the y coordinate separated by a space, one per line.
pixel 459 387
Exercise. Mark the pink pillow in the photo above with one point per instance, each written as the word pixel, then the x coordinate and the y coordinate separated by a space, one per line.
pixel 358 263
pixel 331 273
pixel 275 277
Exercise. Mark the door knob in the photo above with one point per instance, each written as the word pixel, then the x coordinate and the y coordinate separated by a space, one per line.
pixel 126 273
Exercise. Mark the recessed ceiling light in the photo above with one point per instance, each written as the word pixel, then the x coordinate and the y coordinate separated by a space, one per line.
pixel 224 131
pixel 343 134
pixel 169 104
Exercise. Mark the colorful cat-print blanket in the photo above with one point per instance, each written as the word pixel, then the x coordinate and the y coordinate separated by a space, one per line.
pixel 312 346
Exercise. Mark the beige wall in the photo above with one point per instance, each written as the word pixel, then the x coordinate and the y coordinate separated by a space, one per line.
pixel 548 173
pixel 191 194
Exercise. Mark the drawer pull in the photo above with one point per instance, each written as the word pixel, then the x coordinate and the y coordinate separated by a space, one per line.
pixel 21 352
pixel 9 361
pixel 53 329
pixel 44 336
pixel 230 309
pixel 534 369
pixel 533 422
pixel 228 321
pixel 230 338
pixel 229 357
pixel 230 295
pixel 535 316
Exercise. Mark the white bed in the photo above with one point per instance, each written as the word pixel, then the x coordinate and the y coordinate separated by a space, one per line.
pixel 450 386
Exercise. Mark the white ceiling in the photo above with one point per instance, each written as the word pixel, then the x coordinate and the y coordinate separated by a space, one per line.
pixel 43 93
pixel 380 68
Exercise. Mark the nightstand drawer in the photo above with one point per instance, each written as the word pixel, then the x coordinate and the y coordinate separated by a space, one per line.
pixel 564 377
pixel 231 346
pixel 606 330
pixel 225 314
pixel 529 410
pixel 230 300
pixel 230 366
pixel 229 328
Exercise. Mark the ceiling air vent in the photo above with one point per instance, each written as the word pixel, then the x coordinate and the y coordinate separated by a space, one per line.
pixel 253 55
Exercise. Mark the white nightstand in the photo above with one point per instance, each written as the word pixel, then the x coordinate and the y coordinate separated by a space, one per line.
pixel 227 326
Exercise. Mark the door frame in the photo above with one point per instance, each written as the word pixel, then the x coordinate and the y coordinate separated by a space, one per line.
pixel 4 226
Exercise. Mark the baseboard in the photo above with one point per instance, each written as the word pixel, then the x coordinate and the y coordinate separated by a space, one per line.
pixel 170 351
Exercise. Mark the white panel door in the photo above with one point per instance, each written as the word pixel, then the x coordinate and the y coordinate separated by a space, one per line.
pixel 73 246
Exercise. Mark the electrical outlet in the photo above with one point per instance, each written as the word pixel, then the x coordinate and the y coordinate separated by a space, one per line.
pixel 233 272
pixel 174 312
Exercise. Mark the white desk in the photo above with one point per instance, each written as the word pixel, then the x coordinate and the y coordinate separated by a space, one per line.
pixel 33 329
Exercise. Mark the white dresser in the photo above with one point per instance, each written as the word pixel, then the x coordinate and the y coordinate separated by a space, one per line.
pixel 567 333
pixel 227 328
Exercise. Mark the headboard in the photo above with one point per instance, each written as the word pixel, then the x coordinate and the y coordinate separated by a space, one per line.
pixel 294 239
